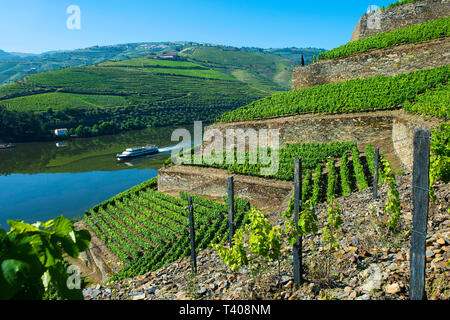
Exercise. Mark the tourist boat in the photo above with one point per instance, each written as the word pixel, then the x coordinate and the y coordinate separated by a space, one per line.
pixel 137 152
pixel 7 146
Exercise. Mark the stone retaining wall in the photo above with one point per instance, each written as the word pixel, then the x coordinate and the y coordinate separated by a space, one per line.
pixel 393 131
pixel 266 194
pixel 400 17
pixel 390 61
pixel 403 127
pixel 360 127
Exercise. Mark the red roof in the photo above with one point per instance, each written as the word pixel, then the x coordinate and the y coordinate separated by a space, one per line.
pixel 169 54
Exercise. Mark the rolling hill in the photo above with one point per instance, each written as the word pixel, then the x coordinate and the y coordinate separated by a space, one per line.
pixel 118 89
pixel 14 66
pixel 118 96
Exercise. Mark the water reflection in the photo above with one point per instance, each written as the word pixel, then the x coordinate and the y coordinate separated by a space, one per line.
pixel 41 180
pixel 83 155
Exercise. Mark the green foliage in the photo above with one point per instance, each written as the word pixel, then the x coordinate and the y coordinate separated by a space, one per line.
pixel 252 245
pixel 19 125
pixel 361 179
pixel 392 206
pixel 317 185
pixel 311 154
pixel 63 101
pixel 400 3
pixel 307 222
pixel 332 179
pixel 147 229
pixel 322 265
pixel 345 175
pixel 380 92
pixel 117 97
pixel 370 157
pixel 31 258
pixel 413 34
pixel 434 103
pixel 440 154
pixel 260 69
pixel 334 221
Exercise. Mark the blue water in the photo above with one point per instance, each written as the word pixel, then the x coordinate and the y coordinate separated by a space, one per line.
pixel 40 180
pixel 42 197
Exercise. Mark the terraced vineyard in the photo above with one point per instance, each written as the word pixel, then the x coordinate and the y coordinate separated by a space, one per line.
pixel 435 29
pixel 327 181
pixel 330 169
pixel 434 103
pixel 376 93
pixel 147 229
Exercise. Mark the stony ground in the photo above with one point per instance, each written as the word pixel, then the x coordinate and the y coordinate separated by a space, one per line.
pixel 372 263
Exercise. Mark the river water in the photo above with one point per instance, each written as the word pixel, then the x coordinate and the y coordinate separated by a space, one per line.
pixel 42 180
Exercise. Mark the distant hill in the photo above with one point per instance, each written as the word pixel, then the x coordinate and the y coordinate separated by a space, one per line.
pixel 116 96
pixel 295 54
pixel 14 66
pixel 259 69
pixel 7 56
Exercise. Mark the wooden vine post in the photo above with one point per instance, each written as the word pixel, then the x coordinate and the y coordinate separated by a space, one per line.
pixel 231 209
pixel 421 182
pixel 297 247
pixel 192 233
pixel 375 174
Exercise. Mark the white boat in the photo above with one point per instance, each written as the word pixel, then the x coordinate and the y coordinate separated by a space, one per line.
pixel 137 152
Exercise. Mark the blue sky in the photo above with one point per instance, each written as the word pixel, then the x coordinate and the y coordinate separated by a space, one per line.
pixel 36 26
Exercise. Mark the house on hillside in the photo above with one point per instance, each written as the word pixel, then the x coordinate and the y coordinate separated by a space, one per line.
pixel 151 56
pixel 169 55
pixel 60 132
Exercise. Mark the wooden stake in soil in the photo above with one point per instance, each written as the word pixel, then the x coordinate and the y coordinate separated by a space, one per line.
pixel 192 233
pixel 231 209
pixel 421 182
pixel 375 174
pixel 297 247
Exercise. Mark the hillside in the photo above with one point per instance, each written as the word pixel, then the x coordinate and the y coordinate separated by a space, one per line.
pixel 375 93
pixel 104 90
pixel 125 95
pixel 257 67
pixel 368 266
pixel 354 245
pixel 15 66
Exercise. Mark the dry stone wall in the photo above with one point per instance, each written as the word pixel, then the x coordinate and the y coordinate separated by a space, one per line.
pixel 266 194
pixel 403 127
pixel 400 17
pixel 392 61
pixel 392 131
pixel 361 127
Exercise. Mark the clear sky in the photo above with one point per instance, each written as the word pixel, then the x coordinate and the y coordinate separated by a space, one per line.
pixel 35 26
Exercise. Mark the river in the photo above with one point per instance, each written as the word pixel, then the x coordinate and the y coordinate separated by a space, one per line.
pixel 42 180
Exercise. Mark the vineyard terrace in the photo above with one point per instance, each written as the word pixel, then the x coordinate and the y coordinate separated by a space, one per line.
pixel 263 147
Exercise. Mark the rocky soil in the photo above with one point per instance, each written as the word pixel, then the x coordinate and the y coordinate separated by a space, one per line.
pixel 372 263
